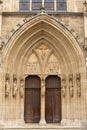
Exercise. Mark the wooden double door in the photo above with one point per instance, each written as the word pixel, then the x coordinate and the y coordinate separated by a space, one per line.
pixel 33 99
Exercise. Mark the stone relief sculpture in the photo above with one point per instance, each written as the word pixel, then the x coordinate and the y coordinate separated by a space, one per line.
pixel 71 89
pixel 78 83
pixel 15 86
pixel 7 85
pixel 21 91
pixel 64 86
pixel 43 87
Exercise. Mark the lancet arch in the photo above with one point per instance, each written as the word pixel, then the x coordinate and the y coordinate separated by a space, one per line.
pixel 43 38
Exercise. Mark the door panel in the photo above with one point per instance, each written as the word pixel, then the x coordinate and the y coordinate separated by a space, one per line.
pixel 28 105
pixel 53 100
pixel 56 106
pixel 36 105
pixel 32 100
pixel 48 106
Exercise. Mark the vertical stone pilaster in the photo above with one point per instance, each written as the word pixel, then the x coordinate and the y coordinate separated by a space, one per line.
pixel 42 120
pixel 84 97
pixel 64 99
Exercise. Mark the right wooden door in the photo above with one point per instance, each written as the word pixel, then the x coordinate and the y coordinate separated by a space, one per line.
pixel 53 99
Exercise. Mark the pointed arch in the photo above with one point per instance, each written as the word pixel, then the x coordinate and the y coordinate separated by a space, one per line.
pixel 46 28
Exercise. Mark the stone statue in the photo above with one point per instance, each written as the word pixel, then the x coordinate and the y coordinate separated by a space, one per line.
pixel 15 87
pixel 64 87
pixel 21 92
pixel 78 83
pixel 71 85
pixel 43 87
pixel 7 87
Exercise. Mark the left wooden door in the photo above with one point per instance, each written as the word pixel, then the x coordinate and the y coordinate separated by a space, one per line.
pixel 32 99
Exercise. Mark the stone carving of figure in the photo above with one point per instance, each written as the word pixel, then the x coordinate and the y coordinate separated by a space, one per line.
pixel 71 85
pixel 78 83
pixel 21 88
pixel 15 87
pixel 63 87
pixel 7 87
pixel 85 5
pixel 43 87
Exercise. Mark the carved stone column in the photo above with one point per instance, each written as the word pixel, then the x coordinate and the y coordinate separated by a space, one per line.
pixel 42 120
pixel 21 94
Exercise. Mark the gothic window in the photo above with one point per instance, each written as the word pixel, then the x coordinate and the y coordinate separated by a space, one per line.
pixel 49 5
pixel 24 4
pixel 61 5
pixel 36 4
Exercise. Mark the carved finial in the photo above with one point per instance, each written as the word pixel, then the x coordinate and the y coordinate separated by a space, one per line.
pixel 13 30
pixel 42 10
pixel 18 25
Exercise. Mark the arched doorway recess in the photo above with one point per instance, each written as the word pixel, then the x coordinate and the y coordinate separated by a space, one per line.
pixel 42 46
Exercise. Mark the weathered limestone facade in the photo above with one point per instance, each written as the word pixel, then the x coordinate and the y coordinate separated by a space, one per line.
pixel 43 44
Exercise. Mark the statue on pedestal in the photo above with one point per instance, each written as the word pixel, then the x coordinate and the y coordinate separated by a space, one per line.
pixel 7 85
pixel 15 87
pixel 21 91
pixel 64 87
pixel 71 89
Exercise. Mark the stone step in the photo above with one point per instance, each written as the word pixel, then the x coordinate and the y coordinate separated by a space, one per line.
pixel 44 129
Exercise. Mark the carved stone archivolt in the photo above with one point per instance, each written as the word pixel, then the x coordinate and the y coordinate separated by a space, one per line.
pixel 15 86
pixel 63 86
pixel 71 89
pixel 78 84
pixel 7 85
pixel 21 89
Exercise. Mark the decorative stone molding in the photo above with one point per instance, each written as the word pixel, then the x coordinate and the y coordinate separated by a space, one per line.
pixel 78 83
pixel 64 86
pixel 85 50
pixel 85 6
pixel 7 85
pixel 15 86
pixel 21 90
pixel 71 90
pixel 64 25
pixel 42 10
